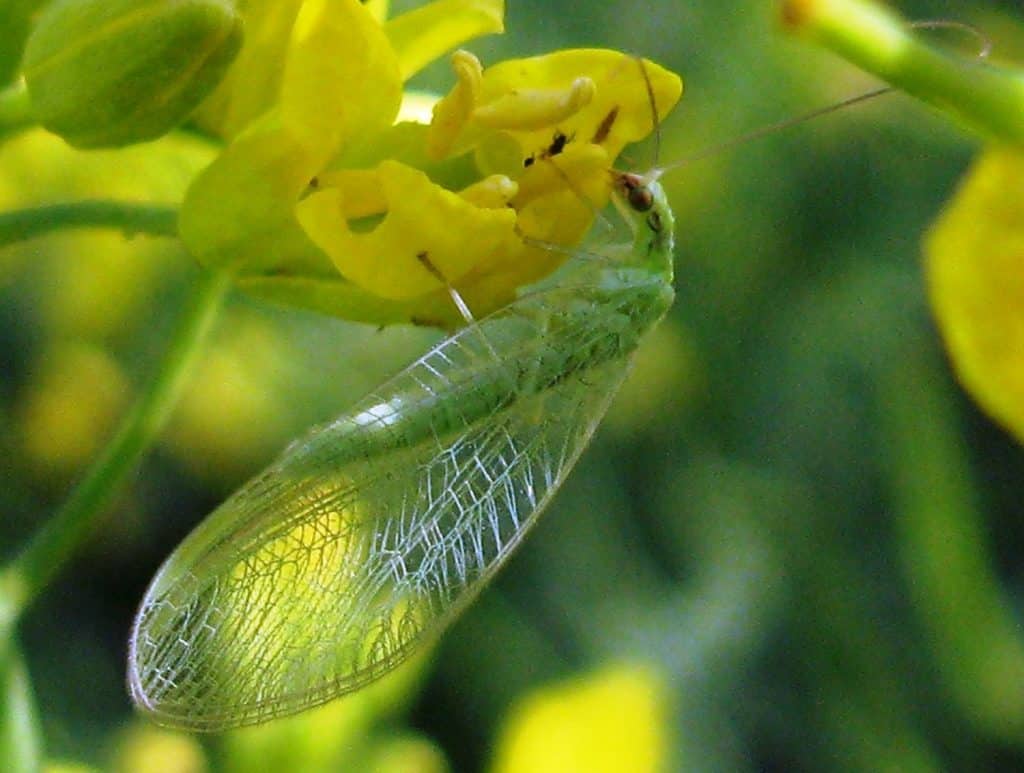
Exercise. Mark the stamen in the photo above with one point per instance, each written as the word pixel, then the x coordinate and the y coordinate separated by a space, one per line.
pixel 530 109
pixel 452 113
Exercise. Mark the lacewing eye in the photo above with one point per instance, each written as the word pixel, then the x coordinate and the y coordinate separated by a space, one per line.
pixel 635 190
pixel 640 198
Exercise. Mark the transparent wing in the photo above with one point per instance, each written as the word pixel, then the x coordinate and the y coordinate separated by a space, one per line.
pixel 331 567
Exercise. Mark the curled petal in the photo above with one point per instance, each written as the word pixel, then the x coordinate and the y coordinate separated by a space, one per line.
pixel 428 237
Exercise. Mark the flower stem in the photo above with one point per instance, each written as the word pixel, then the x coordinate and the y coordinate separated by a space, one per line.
pixel 15 109
pixel 986 98
pixel 52 546
pixel 130 217
pixel 969 622
pixel 20 745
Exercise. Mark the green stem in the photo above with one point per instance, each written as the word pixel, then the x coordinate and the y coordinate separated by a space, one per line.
pixel 986 98
pixel 15 109
pixel 129 217
pixel 975 635
pixel 20 745
pixel 52 546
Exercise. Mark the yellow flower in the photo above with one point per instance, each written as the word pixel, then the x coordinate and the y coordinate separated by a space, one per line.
pixel 516 155
pixel 322 200
pixel 614 721
pixel 385 259
pixel 311 76
pixel 148 749
pixel 975 254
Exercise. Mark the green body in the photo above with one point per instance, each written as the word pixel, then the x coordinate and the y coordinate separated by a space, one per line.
pixel 368 536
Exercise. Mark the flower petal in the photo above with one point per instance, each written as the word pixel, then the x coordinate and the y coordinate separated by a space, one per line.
pixel 378 9
pixel 341 76
pixel 554 124
pixel 422 35
pixel 617 718
pixel 592 96
pixel 338 297
pixel 240 209
pixel 428 236
pixel 253 81
pixel 975 262
pixel 619 112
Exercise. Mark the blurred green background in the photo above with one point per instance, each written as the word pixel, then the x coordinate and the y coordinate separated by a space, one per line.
pixel 794 526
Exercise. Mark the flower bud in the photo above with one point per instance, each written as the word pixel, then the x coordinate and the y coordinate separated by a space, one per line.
pixel 104 73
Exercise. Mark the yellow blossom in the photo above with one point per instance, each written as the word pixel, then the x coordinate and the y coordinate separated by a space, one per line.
pixel 614 721
pixel 975 266
pixel 143 749
pixel 325 199
pixel 386 260
pixel 531 139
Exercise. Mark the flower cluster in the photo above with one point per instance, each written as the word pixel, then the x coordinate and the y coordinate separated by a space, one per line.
pixel 328 196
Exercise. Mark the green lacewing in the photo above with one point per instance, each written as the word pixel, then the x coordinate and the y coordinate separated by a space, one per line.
pixel 365 539
pixel 371 534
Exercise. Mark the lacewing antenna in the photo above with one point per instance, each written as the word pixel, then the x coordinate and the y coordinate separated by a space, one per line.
pixel 984 49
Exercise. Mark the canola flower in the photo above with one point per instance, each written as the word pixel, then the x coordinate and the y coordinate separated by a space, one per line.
pixel 326 199
pixel 615 719
pixel 975 268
